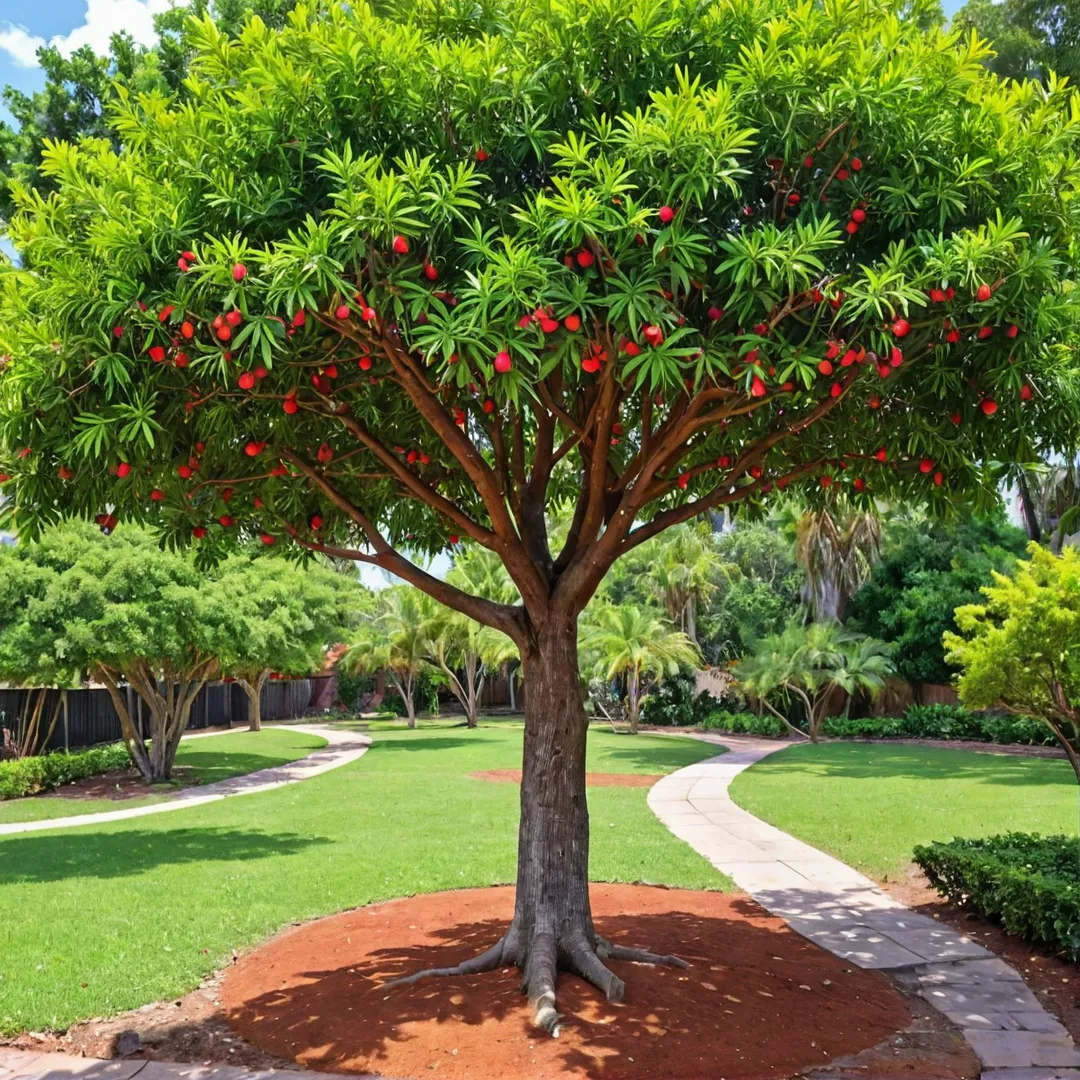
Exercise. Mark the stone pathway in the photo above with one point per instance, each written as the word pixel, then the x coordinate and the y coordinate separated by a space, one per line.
pixel 848 914
pixel 343 747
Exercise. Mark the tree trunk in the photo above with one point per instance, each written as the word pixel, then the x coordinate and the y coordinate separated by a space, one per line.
pixel 633 699
pixel 254 696
pixel 552 927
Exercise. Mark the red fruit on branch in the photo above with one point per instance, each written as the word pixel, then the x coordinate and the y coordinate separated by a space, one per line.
pixel 882 454
pixel 859 484
pixel 198 532
pixel 632 348
pixel 955 418
pixel 188 256
pixel 833 350
pixel 826 482
pixel 368 314
pixel 989 406
pixel 856 163
pixel 234 318
pixel 939 479
pixel 757 387
pixel 325 454
pixel 453 538
pixel 585 258
pixel 157 353
pixel 257 503
pixel 825 367
pixel 842 174
pixel 425 459
pixel 184 472
pixel 684 479
pixel 165 312
pixel 64 473
pixel 290 406
pixel 653 335
pixel 187 329
pixel 280 469
pixel 488 406
pixel 884 370
pixel 226 522
pixel 266 538
pixel 365 363
pixel 849 358
pixel 1012 330
pixel 300 318
pixel 481 154
pixel 926 465
pixel 239 272
pixel 983 293
pixel 183 265
pixel 896 356
pixel 253 448
pixel 459 416
pixel 246 380
pixel 851 228
pixel 937 295
pixel 984 332
pixel 874 401
pixel 549 326
pixel 341 312
pixel 836 390
pixel 1025 392
pixel 858 215
pixel 715 313
pixel 315 522
pixel 756 471
pixel 901 328
pixel 117 331
pixel 666 214
pixel 808 162
pixel 226 494
pixel 181 360
pixel 572 323
pixel 794 198
pixel 953 336
pixel 157 495
pixel 224 333
pixel 503 363
pixel 430 272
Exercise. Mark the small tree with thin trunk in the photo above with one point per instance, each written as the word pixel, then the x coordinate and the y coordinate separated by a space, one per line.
pixel 1020 650
pixel 395 280
pixel 288 620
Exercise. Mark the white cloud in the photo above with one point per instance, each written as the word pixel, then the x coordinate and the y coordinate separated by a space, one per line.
pixel 102 19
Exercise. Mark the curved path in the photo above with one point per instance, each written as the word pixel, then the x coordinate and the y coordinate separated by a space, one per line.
pixel 342 747
pixel 848 914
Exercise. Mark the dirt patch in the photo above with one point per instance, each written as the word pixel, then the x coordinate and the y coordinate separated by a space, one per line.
pixel 759 1000
pixel 121 784
pixel 593 779
pixel 1054 981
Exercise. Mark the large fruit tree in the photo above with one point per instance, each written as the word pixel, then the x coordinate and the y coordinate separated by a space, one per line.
pixel 379 285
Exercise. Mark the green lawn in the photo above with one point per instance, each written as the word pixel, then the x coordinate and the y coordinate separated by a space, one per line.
pixel 215 757
pixel 870 805
pixel 106 917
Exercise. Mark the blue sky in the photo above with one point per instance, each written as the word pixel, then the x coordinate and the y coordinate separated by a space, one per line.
pixel 27 24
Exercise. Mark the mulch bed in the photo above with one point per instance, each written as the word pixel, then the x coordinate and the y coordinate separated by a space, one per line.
pixel 120 784
pixel 758 1001
pixel 593 779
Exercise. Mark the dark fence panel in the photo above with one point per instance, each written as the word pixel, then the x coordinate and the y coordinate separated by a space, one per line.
pixel 92 719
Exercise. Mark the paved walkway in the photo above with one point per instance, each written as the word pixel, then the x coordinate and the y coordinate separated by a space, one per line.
pixel 26 1065
pixel 343 747
pixel 846 913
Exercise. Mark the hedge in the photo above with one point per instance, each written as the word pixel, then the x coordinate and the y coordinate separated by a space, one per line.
pixel 1029 884
pixel 743 723
pixel 28 776
pixel 943 722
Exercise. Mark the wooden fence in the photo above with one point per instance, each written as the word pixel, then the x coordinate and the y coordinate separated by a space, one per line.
pixel 92 719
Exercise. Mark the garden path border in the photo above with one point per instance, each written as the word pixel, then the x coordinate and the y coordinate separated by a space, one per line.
pixel 342 747
pixel 843 911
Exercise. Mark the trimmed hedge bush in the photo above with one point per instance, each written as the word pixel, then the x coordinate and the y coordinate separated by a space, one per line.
pixel 1029 884
pixel 743 723
pixel 943 722
pixel 28 776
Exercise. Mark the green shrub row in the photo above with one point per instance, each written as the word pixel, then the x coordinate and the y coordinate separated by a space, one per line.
pixel 1029 884
pixel 942 722
pixel 28 776
pixel 743 723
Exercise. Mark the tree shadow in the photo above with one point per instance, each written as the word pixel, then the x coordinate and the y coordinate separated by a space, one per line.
pixel 42 857
pixel 655 755
pixel 209 766
pixel 740 1009
pixel 873 761
pixel 421 742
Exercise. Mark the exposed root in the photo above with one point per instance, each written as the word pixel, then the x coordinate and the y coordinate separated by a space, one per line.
pixel 538 982
pixel 587 963
pixel 488 960
pixel 607 951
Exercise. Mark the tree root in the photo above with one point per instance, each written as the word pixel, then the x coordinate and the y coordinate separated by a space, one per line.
pixel 541 966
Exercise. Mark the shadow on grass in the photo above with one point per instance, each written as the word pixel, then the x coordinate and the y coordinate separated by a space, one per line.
pixel 655 755
pixel 210 765
pixel 871 761
pixel 419 742
pixel 38 857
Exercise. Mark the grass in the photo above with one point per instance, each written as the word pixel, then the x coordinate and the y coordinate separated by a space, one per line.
pixel 870 805
pixel 107 917
pixel 205 760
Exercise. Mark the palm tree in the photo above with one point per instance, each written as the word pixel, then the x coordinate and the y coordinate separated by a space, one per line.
pixel 637 644
pixel 1050 501
pixel 394 639
pixel 808 662
pixel 684 567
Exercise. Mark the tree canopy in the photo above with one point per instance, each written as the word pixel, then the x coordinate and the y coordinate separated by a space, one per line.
pixel 1031 38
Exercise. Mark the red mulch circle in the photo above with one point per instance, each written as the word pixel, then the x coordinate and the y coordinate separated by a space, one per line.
pixel 593 779
pixel 759 1001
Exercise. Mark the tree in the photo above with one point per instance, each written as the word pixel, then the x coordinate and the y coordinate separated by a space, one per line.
pixel 288 620
pixel 1020 648
pixel 635 644
pixel 684 568
pixel 1032 38
pixel 810 663
pixel 645 242
pixel 395 639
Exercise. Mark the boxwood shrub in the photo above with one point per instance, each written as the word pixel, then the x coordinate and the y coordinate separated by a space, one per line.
pixel 1029 884
pixel 28 776
pixel 743 723
pixel 943 722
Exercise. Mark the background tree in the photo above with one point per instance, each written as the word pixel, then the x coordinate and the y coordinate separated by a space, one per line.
pixel 288 620
pixel 809 663
pixel 683 264
pixel 635 645
pixel 1032 38
pixel 395 638
pixel 1020 648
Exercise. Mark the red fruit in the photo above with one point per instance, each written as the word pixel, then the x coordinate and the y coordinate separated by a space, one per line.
pixel 234 318
pixel 368 314
pixel 157 495
pixel 882 455
pixel 261 372
pixel 184 472
pixel 254 449
pixel 157 353
pixel 572 323
pixel 280 469
pixel 984 332
pixel 182 263
pixel 761 329
pixel 901 328
pixel 653 335
pixel 118 332
pixel 481 154
pixel 549 326
pixel 503 363
pixel 926 465
pixel 836 390
pixel 860 484
pixel 411 457
pixel 988 406
pixel 325 454
pixel 165 312
pixel 755 471
pixel 224 333
pixel 826 482
pixel 808 162
pixel 225 521
pixel 246 380
pixel 198 532
pixel 833 351
pixel 424 459
pixel 874 401
pixel 290 406
pixel 856 163
pixel 400 245
pixel 757 387
pixel 430 272
pixel 955 418
pixel 188 256
pixel 684 479
pixel 666 214
pixel 939 479
pixel 239 272
pixel 937 295
pixel 365 363
pixel 884 370
pixel 459 416
pixel 585 258
pixel 591 364
pixel 952 337
pixel 849 358
pixel 187 329
pixel 724 461
pixel 632 348
pixel 794 198
pixel 341 312
pixel 715 313
pixel 257 503
pixel 489 406
pixel 983 293
pixel 858 214
pixel 64 473
pixel 825 367
pixel 330 371
pixel 851 228
pixel 266 538
pixel 896 357
pixel 1025 392
pixel 300 318
pixel 785 388
pixel 842 174
pixel 181 360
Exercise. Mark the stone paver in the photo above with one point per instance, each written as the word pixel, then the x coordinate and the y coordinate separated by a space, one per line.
pixel 343 747
pixel 845 912
pixel 26 1065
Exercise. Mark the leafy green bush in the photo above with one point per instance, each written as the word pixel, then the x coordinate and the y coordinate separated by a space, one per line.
pixel 28 776
pixel 943 722
pixel 743 723
pixel 1028 883
pixel 675 702
pixel 865 727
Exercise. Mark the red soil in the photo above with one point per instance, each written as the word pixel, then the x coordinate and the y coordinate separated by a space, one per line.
pixel 759 1001
pixel 593 779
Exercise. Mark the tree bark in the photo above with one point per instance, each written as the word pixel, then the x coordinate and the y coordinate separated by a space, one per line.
pixel 552 928
pixel 254 696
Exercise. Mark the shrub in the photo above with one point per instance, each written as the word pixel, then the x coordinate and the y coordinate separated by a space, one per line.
pixel 865 727
pixel 945 722
pixel 28 776
pixel 744 723
pixel 1029 884
pixel 676 702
